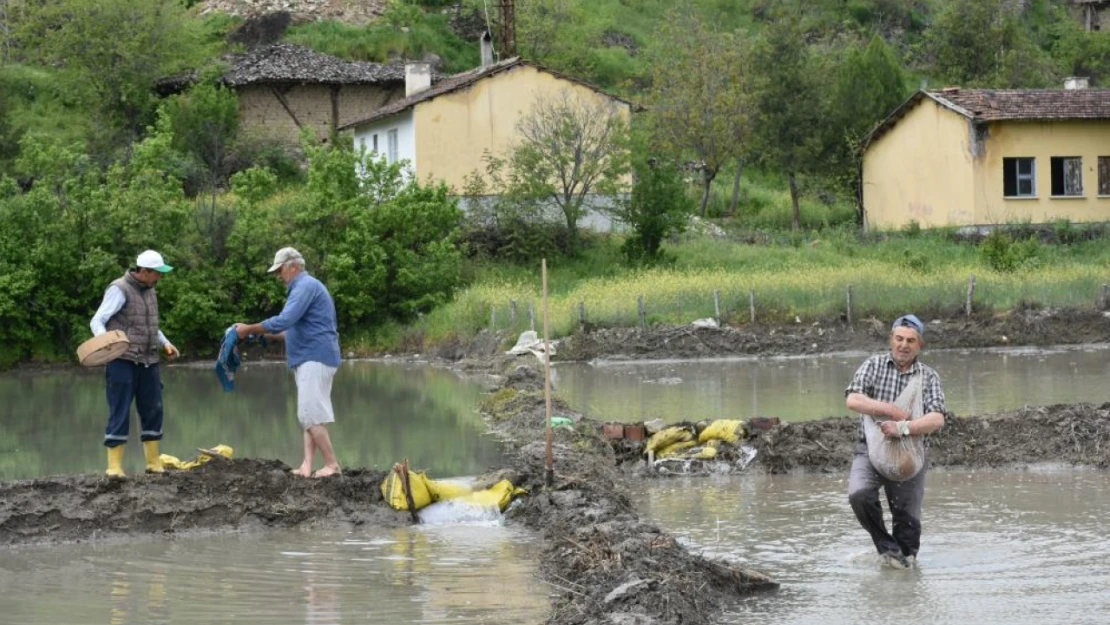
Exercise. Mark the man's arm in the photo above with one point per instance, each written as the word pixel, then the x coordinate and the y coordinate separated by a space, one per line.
pixel 113 301
pixel 294 309
pixel 858 402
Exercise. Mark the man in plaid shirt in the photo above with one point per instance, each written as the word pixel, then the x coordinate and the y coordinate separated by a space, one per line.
pixel 874 388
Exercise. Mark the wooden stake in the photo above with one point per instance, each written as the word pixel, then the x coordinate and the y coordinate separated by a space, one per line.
pixel 402 471
pixel 849 305
pixel 549 462
pixel 970 293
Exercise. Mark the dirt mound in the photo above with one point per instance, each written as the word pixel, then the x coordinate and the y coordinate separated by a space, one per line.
pixel 1020 327
pixel 1069 434
pixel 227 495
pixel 604 563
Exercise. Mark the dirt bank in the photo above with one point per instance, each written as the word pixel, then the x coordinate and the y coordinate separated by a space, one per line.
pixel 1019 327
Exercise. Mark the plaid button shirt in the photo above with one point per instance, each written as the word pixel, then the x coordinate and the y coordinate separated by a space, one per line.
pixel 879 378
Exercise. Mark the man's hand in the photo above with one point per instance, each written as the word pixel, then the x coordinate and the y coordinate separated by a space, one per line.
pixel 897 414
pixel 890 429
pixel 243 330
pixel 171 351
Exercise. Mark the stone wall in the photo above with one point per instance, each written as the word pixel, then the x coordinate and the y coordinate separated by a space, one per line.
pixel 262 113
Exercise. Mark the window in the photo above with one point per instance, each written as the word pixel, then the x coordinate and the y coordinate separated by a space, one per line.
pixel 391 146
pixel 1104 175
pixel 375 150
pixel 1019 177
pixel 1067 176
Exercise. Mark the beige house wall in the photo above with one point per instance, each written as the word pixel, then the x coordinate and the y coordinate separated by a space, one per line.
pixel 920 170
pixel 455 130
pixel 1042 141
pixel 262 113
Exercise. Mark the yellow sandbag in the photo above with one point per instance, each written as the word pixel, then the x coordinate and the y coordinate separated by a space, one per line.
pixel 394 494
pixel 675 449
pixel 726 430
pixel 172 462
pixel 665 437
pixel 447 489
pixel 706 453
pixel 500 495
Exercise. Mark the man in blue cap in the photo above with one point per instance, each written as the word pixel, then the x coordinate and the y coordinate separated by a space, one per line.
pixel 873 390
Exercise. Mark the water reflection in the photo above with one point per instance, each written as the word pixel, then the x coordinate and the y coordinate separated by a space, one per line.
pixel 1003 548
pixel 53 423
pixel 464 574
pixel 796 389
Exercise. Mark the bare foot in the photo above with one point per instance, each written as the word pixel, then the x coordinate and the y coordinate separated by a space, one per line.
pixel 326 471
pixel 302 471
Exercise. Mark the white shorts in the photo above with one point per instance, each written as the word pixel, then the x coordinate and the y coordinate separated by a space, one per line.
pixel 314 393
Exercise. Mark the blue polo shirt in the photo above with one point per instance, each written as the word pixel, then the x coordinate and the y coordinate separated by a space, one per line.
pixel 308 320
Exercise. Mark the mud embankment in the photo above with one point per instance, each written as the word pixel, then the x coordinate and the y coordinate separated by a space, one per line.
pixel 1019 327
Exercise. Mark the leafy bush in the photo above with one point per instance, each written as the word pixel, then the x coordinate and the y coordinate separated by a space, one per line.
pixel 1002 253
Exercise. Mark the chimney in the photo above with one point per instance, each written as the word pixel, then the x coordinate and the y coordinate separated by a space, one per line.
pixel 487 49
pixel 1076 82
pixel 418 77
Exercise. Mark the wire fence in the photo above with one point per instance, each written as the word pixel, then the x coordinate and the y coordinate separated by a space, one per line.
pixel 850 303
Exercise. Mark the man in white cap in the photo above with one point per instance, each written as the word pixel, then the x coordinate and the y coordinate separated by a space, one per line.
pixel 873 390
pixel 130 304
pixel 311 335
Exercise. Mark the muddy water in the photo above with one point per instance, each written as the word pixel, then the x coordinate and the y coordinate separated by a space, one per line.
pixel 53 423
pixel 796 389
pixel 472 573
pixel 1024 548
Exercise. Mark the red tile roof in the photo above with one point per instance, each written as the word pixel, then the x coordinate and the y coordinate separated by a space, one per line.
pixel 1029 104
pixel 994 105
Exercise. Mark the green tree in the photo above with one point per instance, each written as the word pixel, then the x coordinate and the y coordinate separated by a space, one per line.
pixel 870 85
pixel 116 50
pixel 571 151
pixel 986 44
pixel 699 94
pixel 657 208
pixel 790 117
pixel 203 124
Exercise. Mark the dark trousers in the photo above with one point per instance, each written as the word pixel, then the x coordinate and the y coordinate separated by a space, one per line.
pixel 128 381
pixel 904 499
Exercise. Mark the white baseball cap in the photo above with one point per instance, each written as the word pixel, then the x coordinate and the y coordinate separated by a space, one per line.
pixel 152 260
pixel 283 256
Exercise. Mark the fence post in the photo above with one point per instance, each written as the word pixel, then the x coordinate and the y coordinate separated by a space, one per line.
pixel 512 313
pixel 640 309
pixel 493 317
pixel 717 305
pixel 582 315
pixel 1102 298
pixel 970 293
pixel 532 316
pixel 849 305
pixel 751 304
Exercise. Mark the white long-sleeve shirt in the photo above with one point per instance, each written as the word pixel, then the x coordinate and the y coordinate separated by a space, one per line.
pixel 114 299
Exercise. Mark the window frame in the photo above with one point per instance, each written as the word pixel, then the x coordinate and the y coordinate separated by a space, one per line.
pixel 1019 177
pixel 1103 181
pixel 1058 165
pixel 392 146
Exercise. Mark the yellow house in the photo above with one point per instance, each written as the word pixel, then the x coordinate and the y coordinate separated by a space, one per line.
pixel 981 157
pixel 444 131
